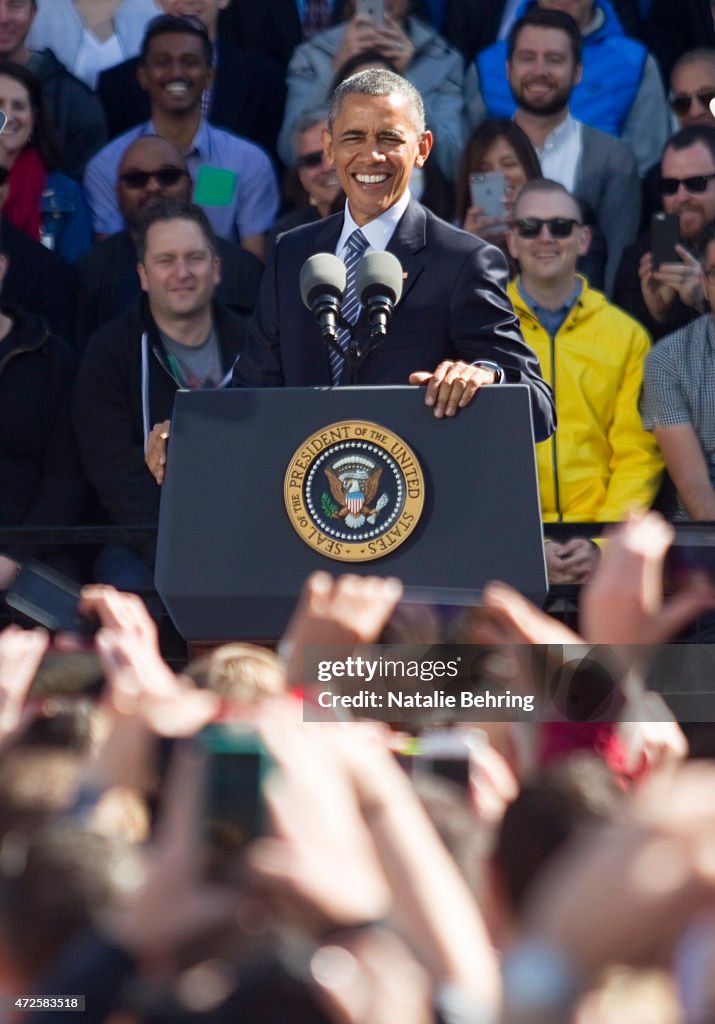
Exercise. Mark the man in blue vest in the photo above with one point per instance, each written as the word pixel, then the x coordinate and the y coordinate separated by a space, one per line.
pixel 620 90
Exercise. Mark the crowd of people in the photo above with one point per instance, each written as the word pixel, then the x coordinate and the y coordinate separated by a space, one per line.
pixel 187 847
pixel 115 109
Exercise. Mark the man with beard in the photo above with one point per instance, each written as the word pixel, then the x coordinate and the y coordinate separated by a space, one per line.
pixel 151 169
pixel 667 297
pixel 543 66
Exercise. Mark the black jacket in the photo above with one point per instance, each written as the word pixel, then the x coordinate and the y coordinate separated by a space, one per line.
pixel 72 109
pixel 108 412
pixel 40 478
pixel 38 281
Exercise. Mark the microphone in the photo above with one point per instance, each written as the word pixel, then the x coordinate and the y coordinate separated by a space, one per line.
pixel 378 282
pixel 322 283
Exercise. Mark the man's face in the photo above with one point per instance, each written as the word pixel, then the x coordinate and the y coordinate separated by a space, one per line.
pixel 179 272
pixel 205 10
pixel 374 144
pixel 691 86
pixel 695 210
pixel 317 175
pixel 580 10
pixel 542 72
pixel 159 159
pixel 15 20
pixel 175 72
pixel 546 260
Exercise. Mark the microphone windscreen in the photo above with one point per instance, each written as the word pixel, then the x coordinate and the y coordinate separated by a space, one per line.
pixel 378 273
pixel 323 271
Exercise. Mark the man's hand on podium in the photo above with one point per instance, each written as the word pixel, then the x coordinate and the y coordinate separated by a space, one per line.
pixel 155 455
pixel 452 385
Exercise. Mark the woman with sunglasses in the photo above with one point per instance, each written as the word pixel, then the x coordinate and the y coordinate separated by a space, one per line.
pixel 46 205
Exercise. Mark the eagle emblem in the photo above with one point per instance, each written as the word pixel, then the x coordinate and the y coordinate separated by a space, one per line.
pixel 354 483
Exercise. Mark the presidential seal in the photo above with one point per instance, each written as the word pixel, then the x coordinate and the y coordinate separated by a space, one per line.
pixel 354 491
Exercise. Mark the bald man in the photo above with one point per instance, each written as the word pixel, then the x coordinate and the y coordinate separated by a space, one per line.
pixel 151 168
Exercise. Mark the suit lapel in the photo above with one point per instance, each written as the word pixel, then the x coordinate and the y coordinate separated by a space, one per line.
pixel 325 240
pixel 407 243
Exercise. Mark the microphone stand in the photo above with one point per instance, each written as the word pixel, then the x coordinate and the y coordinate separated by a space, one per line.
pixel 353 356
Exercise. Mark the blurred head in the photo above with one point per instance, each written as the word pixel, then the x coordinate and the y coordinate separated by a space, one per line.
pixel 376 136
pixel 21 99
pixel 205 10
pixel 150 169
pixel 16 18
pixel 55 881
pixel 318 177
pixel 692 87
pixel 688 178
pixel 543 61
pixel 580 10
pixel 240 672
pixel 548 252
pixel 573 793
pixel 361 61
pixel 498 144
pixel 175 64
pixel 178 263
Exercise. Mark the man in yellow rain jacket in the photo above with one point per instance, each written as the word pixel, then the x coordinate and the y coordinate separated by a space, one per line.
pixel 601 462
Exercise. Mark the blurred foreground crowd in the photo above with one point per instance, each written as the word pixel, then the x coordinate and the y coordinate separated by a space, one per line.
pixel 561 128
pixel 188 848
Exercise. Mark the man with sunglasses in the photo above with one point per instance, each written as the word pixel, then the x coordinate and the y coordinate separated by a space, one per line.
pixel 678 402
pixel 151 169
pixel 666 297
pixel 600 462
pixel 692 91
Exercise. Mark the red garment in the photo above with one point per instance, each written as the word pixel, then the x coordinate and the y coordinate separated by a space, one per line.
pixel 26 183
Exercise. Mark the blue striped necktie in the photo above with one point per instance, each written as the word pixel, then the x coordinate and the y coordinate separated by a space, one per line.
pixel 350 309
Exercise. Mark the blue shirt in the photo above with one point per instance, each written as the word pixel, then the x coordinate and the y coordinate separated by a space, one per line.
pixel 552 320
pixel 254 203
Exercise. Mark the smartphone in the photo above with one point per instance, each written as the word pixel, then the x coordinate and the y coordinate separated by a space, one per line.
pixel 3 120
pixel 665 235
pixel 488 191
pixel 372 9
pixel 446 753
pixel 68 674
pixel 238 763
pixel 50 599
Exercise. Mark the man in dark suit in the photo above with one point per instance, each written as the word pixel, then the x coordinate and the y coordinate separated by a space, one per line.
pixel 247 96
pixel 454 328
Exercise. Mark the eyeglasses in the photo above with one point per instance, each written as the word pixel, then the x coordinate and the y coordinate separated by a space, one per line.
pixel 164 176
pixel 681 103
pixel 313 159
pixel 559 227
pixel 4 175
pixel 697 184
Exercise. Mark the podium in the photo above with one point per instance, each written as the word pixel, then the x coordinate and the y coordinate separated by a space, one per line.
pixel 236 537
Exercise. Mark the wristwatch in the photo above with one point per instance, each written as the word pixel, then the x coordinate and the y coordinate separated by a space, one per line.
pixel 494 367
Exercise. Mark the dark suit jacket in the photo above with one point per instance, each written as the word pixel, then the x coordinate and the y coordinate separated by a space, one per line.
pixel 453 306
pixel 268 27
pixel 248 96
